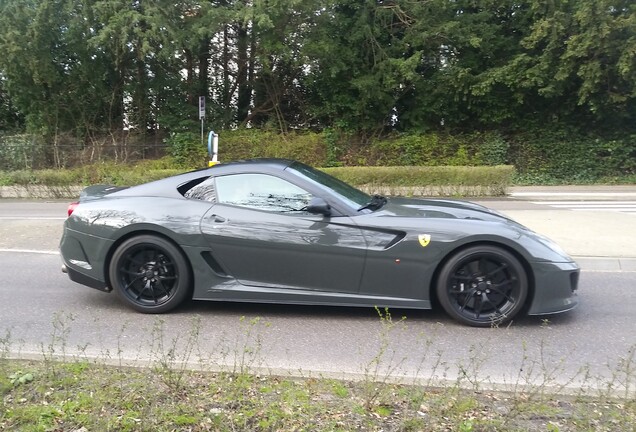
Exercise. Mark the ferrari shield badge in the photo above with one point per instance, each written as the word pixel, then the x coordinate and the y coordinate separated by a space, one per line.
pixel 424 239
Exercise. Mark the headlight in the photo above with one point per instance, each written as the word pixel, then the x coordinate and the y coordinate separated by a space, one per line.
pixel 552 245
pixel 541 247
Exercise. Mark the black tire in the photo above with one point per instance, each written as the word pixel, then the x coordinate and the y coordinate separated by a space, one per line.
pixel 150 274
pixel 482 286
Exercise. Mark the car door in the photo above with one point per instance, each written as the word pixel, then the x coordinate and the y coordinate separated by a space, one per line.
pixel 260 234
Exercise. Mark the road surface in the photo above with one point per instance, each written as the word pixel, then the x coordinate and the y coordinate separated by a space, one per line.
pixel 44 313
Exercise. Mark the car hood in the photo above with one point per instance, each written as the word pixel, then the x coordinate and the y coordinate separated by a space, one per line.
pixel 439 208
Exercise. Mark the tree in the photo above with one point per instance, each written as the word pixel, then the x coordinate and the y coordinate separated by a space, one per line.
pixel 576 64
pixel 10 119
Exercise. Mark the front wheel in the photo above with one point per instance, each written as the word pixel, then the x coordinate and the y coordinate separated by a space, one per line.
pixel 482 286
pixel 150 274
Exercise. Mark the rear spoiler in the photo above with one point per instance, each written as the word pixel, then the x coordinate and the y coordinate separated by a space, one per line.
pixel 98 191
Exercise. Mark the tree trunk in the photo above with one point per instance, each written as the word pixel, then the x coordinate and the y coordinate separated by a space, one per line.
pixel 244 88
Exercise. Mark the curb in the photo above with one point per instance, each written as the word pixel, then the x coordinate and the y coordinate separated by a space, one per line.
pixel 555 193
pixel 40 192
pixel 426 378
pixel 609 264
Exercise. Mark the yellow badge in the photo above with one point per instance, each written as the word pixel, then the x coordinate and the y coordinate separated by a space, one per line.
pixel 424 239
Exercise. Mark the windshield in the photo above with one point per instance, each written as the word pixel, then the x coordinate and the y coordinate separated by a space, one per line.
pixel 355 197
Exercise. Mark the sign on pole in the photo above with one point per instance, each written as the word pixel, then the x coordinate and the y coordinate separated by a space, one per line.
pixel 201 107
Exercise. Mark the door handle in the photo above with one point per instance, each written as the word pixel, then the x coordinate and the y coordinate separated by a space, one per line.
pixel 218 219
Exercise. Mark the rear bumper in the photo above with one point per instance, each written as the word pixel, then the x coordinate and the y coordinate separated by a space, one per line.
pixel 555 288
pixel 83 279
pixel 83 257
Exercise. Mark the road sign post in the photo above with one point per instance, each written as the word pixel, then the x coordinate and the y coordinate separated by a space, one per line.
pixel 202 115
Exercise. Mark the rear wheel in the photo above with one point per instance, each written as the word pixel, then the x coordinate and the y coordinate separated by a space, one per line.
pixel 482 286
pixel 150 274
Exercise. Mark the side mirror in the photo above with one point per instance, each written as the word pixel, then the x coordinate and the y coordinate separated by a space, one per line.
pixel 318 205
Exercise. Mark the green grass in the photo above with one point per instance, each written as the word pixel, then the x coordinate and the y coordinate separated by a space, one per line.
pixel 100 397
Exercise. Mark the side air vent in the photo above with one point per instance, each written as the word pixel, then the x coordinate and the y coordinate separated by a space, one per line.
pixel 398 238
pixel 214 264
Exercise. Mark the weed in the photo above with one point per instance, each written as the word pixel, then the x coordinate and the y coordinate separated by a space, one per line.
pixel 172 360
pixel 623 375
pixel 383 410
pixel 466 426
pixel 471 370
pixel 339 389
pixel 384 363
pixel 19 378
pixel 57 346
pixel 246 352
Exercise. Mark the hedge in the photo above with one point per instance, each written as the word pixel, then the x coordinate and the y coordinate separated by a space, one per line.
pixel 409 180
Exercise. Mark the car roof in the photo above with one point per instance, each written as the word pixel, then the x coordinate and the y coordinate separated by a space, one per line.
pixel 250 164
pixel 168 187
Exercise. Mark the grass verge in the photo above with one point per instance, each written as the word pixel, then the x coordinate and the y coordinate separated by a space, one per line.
pixel 88 396
pixel 65 391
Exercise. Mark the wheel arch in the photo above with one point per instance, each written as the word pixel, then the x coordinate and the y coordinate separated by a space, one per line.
pixel 145 231
pixel 524 263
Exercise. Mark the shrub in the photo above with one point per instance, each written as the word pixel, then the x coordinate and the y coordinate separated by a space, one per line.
pixel 568 156
pixel 433 149
pixel 493 150
pixel 187 150
pixel 425 175
pixel 253 143
pixel 423 180
pixel 18 152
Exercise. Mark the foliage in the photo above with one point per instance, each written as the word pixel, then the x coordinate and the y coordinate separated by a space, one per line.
pixel 424 175
pixel 94 396
pixel 100 173
pixel 489 180
pixel 252 143
pixel 20 151
pixel 565 155
pixel 186 149
pixel 20 377
pixel 493 150
pixel 97 67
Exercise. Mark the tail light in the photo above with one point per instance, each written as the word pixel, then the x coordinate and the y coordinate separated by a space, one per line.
pixel 71 208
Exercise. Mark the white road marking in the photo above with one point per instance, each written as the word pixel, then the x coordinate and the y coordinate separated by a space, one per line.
pixel 571 202
pixel 30 218
pixel 581 194
pixel 32 251
pixel 615 206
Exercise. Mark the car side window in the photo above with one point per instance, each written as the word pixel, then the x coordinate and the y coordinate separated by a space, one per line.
pixel 262 192
pixel 204 191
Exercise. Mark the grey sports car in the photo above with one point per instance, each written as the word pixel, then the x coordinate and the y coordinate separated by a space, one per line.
pixel 279 231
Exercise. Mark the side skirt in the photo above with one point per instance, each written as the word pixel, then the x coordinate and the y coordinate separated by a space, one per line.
pixel 252 294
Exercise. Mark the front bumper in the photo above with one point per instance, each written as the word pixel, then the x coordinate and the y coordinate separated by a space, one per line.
pixel 555 287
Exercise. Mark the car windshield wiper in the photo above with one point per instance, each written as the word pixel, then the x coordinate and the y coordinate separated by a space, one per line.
pixel 377 201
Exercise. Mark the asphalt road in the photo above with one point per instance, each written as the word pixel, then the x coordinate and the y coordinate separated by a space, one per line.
pixel 43 313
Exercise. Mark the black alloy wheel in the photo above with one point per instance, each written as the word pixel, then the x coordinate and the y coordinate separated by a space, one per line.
pixel 150 274
pixel 482 286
